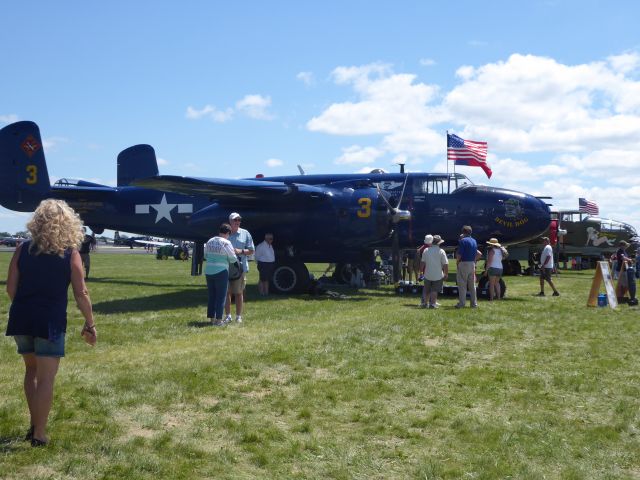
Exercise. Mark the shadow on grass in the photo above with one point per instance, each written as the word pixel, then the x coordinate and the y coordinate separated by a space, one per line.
pixel 164 301
pixel 201 325
pixel 136 282
pixel 10 444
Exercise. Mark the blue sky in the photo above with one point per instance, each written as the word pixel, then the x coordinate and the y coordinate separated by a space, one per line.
pixel 232 89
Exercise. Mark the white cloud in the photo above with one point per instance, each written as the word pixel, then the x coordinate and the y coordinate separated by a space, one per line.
pixel 427 62
pixel 306 77
pixel 477 43
pixel 530 103
pixel 274 162
pixel 255 106
pixel 162 162
pixel 356 154
pixel 388 103
pixel 10 118
pixel 624 63
pixel 51 143
pixel 219 116
pixel 545 121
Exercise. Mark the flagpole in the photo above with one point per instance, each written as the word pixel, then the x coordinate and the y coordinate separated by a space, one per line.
pixel 447 154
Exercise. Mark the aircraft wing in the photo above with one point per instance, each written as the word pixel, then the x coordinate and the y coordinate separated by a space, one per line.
pixel 152 242
pixel 222 188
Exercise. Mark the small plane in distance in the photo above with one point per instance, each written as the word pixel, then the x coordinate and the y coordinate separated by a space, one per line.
pixel 332 218
pixel 11 241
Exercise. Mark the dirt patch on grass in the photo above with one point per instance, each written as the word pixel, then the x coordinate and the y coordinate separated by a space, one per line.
pixel 432 342
pixel 35 471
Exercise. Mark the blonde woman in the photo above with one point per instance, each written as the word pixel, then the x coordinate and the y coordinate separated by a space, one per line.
pixel 39 275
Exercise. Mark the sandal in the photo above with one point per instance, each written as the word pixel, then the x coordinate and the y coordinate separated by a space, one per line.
pixel 36 442
pixel 29 435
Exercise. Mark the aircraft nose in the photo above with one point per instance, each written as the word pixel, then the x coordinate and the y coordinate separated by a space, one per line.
pixel 538 214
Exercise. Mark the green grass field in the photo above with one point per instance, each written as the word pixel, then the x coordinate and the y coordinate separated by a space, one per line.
pixel 366 387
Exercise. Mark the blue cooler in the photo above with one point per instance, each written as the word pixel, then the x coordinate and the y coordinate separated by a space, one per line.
pixel 602 300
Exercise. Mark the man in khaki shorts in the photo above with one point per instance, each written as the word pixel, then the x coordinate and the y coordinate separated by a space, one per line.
pixel 243 246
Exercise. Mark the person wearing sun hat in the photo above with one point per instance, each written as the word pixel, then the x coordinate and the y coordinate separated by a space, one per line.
pixel 495 255
pixel 436 268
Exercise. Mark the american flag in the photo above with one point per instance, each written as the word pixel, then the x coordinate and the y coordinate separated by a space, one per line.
pixel 587 206
pixel 467 152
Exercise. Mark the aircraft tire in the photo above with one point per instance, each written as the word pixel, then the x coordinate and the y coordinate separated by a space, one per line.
pixel 290 278
pixel 484 282
pixel 342 273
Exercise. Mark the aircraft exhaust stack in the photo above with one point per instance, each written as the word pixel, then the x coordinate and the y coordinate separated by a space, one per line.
pixel 400 215
pixel 24 179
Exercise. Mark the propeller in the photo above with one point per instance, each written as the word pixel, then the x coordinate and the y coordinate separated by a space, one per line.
pixel 396 216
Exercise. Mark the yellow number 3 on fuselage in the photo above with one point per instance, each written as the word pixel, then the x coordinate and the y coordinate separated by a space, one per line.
pixel 32 170
pixel 365 207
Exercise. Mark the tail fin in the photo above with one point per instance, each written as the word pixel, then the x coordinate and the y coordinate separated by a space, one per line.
pixel 136 162
pixel 24 179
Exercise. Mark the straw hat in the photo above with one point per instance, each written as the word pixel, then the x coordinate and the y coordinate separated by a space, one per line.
pixel 437 240
pixel 493 242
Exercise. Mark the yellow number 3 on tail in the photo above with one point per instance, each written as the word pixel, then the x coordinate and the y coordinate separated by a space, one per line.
pixel 32 170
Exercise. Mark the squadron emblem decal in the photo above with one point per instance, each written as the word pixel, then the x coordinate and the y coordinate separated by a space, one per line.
pixel 513 214
pixel 30 146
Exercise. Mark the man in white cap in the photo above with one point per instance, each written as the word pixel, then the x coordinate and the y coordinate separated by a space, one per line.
pixel 436 268
pixel 243 246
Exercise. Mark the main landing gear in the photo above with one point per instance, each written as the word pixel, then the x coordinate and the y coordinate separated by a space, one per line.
pixel 290 277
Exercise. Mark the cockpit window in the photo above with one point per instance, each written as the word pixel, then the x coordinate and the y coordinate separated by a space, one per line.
pixel 440 184
pixel 422 186
pixel 572 217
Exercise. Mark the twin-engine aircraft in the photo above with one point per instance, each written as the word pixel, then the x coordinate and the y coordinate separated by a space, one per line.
pixel 314 218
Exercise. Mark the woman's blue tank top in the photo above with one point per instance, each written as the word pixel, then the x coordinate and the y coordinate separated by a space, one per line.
pixel 39 308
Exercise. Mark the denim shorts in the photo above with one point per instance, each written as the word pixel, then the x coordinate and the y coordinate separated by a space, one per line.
pixel 495 272
pixel 40 346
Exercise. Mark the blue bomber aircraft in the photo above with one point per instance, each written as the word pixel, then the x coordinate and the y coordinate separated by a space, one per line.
pixel 315 218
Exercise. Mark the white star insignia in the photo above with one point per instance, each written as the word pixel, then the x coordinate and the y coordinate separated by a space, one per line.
pixel 164 209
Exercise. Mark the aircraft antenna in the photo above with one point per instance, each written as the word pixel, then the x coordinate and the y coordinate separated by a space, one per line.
pixel 300 170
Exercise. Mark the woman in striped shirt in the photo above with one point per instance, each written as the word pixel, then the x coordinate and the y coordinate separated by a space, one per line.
pixel 219 254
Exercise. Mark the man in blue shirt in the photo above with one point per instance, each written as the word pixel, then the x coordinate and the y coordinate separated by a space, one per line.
pixel 243 247
pixel 466 257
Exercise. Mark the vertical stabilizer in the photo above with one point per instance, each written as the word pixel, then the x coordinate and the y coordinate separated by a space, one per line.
pixel 136 162
pixel 24 179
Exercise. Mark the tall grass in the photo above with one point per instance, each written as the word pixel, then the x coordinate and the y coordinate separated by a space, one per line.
pixel 368 386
